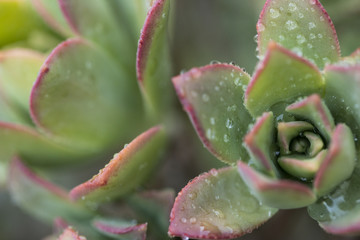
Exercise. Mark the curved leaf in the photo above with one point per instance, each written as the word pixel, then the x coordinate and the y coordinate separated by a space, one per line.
pixel 153 59
pixel 283 194
pixel 339 162
pixel 41 198
pixel 117 229
pixel 281 77
pixel 302 26
pixel 125 171
pixel 106 23
pixel 82 98
pixel 33 147
pixel 212 96
pixel 217 205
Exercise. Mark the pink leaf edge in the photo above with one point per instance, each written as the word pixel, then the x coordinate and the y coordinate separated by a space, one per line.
pixel 174 230
pixel 56 52
pixel 18 167
pixel 70 234
pixel 102 178
pixel 273 46
pixel 317 4
pixel 192 75
pixel 145 41
pixel 352 229
pixel 140 228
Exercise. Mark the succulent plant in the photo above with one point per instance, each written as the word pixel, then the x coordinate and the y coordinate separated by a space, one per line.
pixel 289 132
pixel 84 104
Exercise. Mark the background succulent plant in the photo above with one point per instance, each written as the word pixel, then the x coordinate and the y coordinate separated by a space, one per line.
pixel 296 152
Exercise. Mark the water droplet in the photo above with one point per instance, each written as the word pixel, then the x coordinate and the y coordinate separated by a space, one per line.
pixel 183 220
pixel 218 213
pixel 192 220
pixel 309 45
pixel 192 196
pixel 320 35
pixel 300 39
pixel 217 88
pixel 274 13
pixel 185 238
pixel 205 97
pixel 217 197
pixel 213 172
pixel 212 121
pixel 281 38
pixel 326 60
pixel 237 82
pixel 256 38
pixel 332 47
pixel 231 108
pixel 207 181
pixel 163 15
pixel 229 123
pixel 312 2
pixel 226 138
pixel 312 36
pixel 125 145
pixel 272 23
pixel 322 18
pixel 291 25
pixel 311 25
pixel 301 15
pixel 297 50
pixel 260 27
pixel 215 62
pixel 292 7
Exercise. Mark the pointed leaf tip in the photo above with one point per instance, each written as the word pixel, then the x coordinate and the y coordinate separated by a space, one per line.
pixel 217 205
pixel 212 97
pixel 117 177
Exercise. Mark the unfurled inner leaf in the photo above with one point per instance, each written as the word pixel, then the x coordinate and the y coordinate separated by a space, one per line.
pixel 276 193
pixel 125 171
pixel 314 110
pixel 212 96
pixel 260 141
pixel 289 130
pixel 82 98
pixel 217 205
pixel 339 162
pixel 281 77
pixel 302 26
pixel 153 59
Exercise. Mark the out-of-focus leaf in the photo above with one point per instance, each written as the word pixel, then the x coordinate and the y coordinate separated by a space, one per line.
pixel 88 104
pixel 212 96
pixel 118 229
pixel 125 171
pixel 70 234
pixel 281 77
pixel 217 205
pixel 302 26
pixel 153 61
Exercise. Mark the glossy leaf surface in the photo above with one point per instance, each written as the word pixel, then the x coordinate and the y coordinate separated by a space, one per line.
pixel 281 77
pixel 217 205
pixel 302 26
pixel 212 96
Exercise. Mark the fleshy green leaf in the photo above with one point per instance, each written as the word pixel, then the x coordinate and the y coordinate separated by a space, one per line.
pixel 339 163
pixel 342 95
pixel 70 234
pixel 154 207
pixel 118 229
pixel 281 77
pixel 275 193
pixel 259 142
pixel 302 26
pixel 18 71
pixel 217 205
pixel 289 130
pixel 41 198
pixel 302 166
pixel 125 171
pixel 32 147
pixel 212 96
pixel 51 12
pixel 314 110
pixel 153 61
pixel 82 98
pixel 107 24
pixel 338 212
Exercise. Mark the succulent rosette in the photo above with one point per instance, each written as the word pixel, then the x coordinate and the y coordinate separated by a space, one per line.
pixel 85 102
pixel 289 132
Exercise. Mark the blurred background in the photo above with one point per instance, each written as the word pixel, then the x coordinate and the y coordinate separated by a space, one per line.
pixel 201 31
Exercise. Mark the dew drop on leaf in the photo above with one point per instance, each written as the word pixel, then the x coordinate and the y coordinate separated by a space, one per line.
pixel 291 25
pixel 274 13
pixel 292 7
